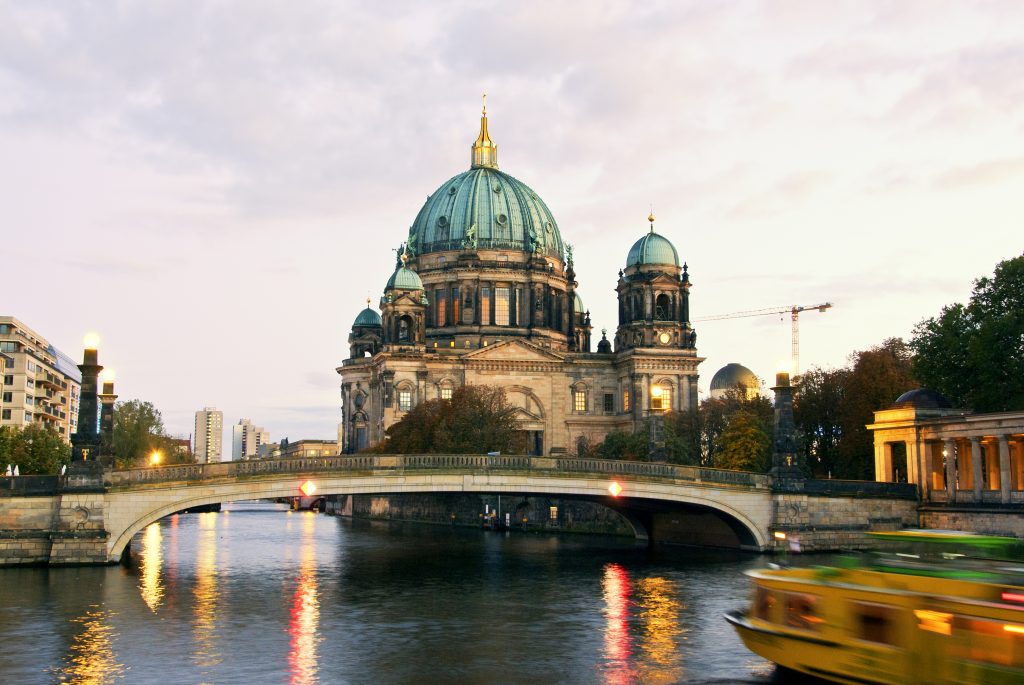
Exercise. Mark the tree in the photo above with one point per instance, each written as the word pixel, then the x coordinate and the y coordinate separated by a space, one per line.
pixel 746 443
pixel 832 408
pixel 138 431
pixel 974 354
pixel 633 446
pixel 715 414
pixel 878 377
pixel 35 449
pixel 817 411
pixel 683 437
pixel 475 420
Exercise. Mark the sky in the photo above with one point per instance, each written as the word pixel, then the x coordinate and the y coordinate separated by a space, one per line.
pixel 216 187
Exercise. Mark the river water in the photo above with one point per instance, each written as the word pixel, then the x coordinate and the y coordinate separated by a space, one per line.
pixel 258 594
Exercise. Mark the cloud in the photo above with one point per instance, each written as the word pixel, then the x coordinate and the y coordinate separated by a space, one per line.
pixel 992 171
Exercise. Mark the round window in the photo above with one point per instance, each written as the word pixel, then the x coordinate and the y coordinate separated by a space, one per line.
pixel 442 221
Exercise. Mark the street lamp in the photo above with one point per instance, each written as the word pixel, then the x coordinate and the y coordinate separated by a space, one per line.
pixel 155 457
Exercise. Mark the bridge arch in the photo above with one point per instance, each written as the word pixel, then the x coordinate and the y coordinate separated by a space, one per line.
pixel 747 510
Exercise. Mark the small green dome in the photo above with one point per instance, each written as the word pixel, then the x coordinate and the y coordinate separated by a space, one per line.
pixel 652 249
pixel 404 279
pixel 367 317
pixel 484 208
pixel 578 304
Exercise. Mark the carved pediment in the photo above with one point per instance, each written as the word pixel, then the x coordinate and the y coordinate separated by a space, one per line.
pixel 523 416
pixel 513 350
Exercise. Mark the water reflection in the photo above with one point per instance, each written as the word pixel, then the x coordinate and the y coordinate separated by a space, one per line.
pixel 206 592
pixel 659 612
pixel 150 566
pixel 91 659
pixel 617 642
pixel 305 612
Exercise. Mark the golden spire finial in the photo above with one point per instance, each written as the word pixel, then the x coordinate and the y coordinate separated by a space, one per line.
pixel 368 300
pixel 650 217
pixel 485 152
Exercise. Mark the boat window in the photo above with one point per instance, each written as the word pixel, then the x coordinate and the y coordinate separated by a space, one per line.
pixel 764 600
pixel 875 622
pixel 991 642
pixel 802 611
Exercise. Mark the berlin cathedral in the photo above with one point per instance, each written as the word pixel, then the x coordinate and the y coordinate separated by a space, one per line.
pixel 484 292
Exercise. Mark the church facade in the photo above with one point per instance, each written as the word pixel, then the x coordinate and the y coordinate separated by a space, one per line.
pixel 484 292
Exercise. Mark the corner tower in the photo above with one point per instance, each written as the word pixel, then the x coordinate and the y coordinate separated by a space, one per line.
pixel 654 297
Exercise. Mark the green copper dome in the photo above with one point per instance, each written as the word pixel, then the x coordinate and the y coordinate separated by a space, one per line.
pixel 578 304
pixel 484 208
pixel 404 279
pixel 367 317
pixel 652 249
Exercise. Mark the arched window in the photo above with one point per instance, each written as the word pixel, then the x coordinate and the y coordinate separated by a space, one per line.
pixel 405 329
pixel 661 396
pixel 444 390
pixel 662 307
pixel 405 395
pixel 580 399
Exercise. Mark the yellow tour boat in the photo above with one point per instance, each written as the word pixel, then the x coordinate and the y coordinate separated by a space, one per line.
pixel 947 608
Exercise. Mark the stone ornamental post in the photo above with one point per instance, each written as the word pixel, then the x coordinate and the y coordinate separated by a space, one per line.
pixel 86 442
pixel 107 399
pixel 784 459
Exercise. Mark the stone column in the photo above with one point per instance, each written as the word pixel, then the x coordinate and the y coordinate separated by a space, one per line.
pixel 913 465
pixel 1004 468
pixel 949 449
pixel 881 474
pixel 976 466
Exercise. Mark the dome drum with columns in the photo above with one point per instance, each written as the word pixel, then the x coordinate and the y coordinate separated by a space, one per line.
pixel 485 292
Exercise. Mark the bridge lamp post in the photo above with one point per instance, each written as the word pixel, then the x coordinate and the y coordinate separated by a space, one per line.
pixel 155 457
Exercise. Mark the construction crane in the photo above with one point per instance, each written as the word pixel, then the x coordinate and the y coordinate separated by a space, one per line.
pixel 794 312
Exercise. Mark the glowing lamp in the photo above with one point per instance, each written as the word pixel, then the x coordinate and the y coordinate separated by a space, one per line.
pixel 615 488
pixel 655 391
pixel 155 457
pixel 91 341
pixel 1013 597
pixel 108 375
pixel 1012 628
pixel 308 488
pixel 779 535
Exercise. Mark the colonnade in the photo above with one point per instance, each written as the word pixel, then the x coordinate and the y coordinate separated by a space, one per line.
pixel 955 463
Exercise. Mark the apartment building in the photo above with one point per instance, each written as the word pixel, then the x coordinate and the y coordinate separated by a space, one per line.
pixel 41 384
pixel 209 435
pixel 246 439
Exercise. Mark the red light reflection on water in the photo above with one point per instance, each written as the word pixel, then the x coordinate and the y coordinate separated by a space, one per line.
pixel 305 614
pixel 618 647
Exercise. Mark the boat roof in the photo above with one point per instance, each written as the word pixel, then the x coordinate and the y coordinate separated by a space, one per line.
pixel 947 536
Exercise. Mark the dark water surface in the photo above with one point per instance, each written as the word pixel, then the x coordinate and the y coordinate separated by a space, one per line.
pixel 257 594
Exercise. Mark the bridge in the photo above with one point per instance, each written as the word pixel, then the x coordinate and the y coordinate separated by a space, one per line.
pixel 92 521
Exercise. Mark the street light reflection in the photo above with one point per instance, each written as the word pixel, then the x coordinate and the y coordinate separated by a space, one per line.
pixel 91 659
pixel 150 565
pixel 206 593
pixel 659 611
pixel 305 612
